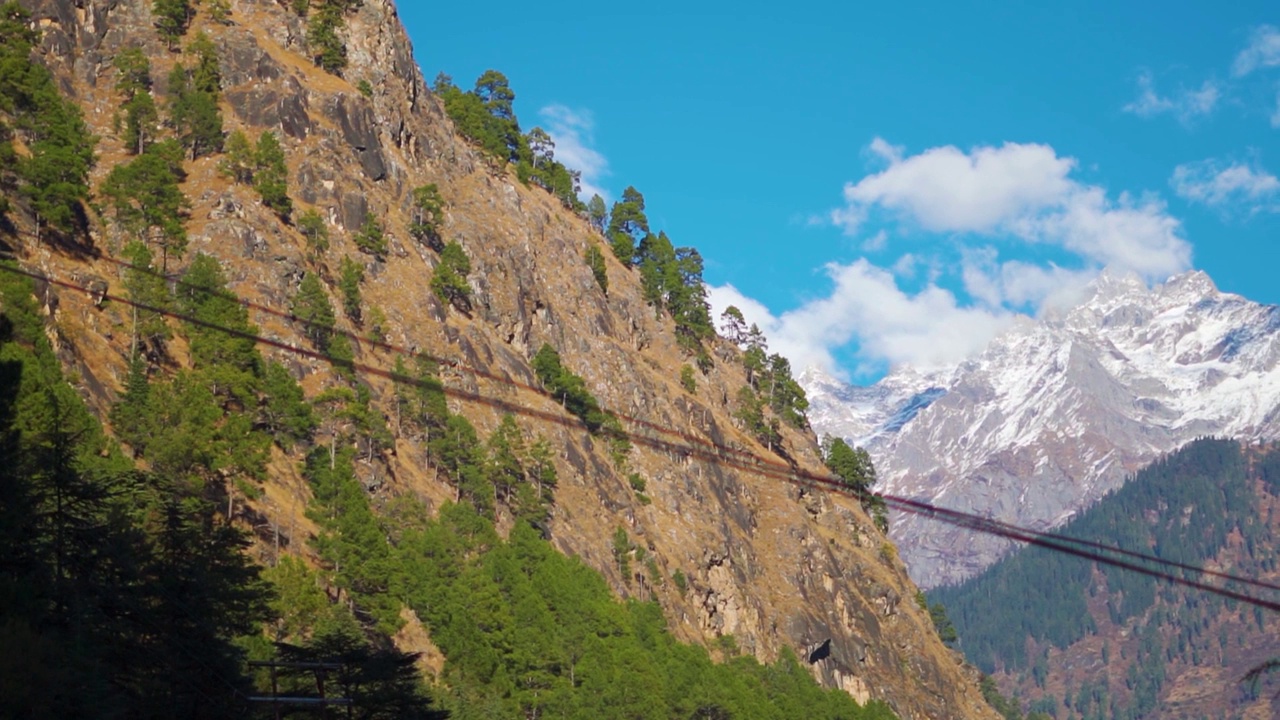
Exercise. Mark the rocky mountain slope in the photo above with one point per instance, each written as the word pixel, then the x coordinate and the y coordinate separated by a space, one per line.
pixel 1056 412
pixel 761 561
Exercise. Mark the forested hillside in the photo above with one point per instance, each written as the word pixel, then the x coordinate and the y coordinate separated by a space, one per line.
pixel 1101 641
pixel 306 364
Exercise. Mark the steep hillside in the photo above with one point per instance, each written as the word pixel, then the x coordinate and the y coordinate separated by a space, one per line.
pixel 1107 642
pixel 731 557
pixel 1055 412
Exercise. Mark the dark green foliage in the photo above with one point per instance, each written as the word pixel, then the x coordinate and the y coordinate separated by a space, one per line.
pixel 750 412
pixel 538 165
pixel 326 47
pixel 382 682
pixel 147 201
pixel 121 592
pixel 595 261
pixel 53 176
pixel 852 466
pixel 206 77
pixel 311 306
pixel 628 225
pixel 370 238
pixel 672 282
pixel 942 624
pixel 733 325
pixel 1185 506
pixel 530 632
pixel 449 281
pixel 271 175
pixel 238 161
pixel 486 115
pixel 146 286
pixel 428 216
pixel 139 117
pixel 285 411
pixel 193 112
pixel 350 275
pixel 172 18
pixel 314 229
pixel 570 389
pixel 365 88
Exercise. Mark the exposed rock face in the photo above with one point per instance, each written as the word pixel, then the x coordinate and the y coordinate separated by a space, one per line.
pixel 1055 413
pixel 772 570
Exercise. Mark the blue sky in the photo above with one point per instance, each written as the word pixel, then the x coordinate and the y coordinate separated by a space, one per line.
pixel 891 183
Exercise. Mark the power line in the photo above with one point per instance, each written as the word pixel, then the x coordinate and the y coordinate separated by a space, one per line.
pixel 722 455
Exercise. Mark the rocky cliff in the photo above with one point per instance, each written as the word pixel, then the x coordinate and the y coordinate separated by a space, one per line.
pixel 764 563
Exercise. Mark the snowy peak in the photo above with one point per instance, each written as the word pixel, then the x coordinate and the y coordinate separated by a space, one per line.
pixel 1054 413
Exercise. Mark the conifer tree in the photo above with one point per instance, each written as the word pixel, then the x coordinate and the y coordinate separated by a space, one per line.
pixel 370 238
pixel 595 261
pixel 145 196
pixel 172 18
pixel 271 175
pixel 428 215
pixel 449 281
pixel 350 277
pixel 627 225
pixel 597 212
pixel 311 306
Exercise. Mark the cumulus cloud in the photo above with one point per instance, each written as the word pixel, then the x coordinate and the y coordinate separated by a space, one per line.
pixel 1263 51
pixel 1237 184
pixel 1022 191
pixel 573 132
pixel 1186 105
pixel 926 329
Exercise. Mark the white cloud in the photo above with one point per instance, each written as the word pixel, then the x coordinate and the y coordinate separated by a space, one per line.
pixel 573 133
pixel 876 242
pixel 1186 105
pixel 1263 51
pixel 1209 183
pixel 905 266
pixel 1275 116
pixel 945 189
pixel 866 306
pixel 1022 191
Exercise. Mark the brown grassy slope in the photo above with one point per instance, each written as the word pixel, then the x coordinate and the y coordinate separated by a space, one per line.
pixel 764 564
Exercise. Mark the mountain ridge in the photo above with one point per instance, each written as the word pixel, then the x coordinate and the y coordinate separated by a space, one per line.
pixel 725 554
pixel 1056 412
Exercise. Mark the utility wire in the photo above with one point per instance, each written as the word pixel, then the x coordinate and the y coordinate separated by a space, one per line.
pixel 722 455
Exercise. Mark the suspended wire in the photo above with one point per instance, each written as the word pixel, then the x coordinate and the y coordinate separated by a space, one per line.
pixel 710 451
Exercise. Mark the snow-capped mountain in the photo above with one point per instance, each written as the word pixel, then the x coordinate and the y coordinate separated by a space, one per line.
pixel 1055 412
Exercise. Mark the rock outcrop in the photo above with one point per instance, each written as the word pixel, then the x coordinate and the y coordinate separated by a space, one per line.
pixel 760 564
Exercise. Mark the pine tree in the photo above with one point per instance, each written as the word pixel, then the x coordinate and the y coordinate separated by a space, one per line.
pixel 598 212
pixel 194 114
pixel 285 410
pixel 449 282
pixel 271 175
pixel 147 200
pixel 313 228
pixel 627 224
pixel 311 306
pixel 238 160
pixel 428 215
pixel 370 238
pixel 350 277
pixel 599 270
pixel 172 18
